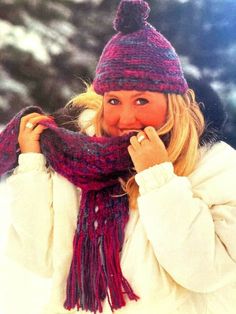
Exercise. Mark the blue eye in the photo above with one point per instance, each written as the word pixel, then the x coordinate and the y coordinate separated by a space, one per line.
pixel 113 101
pixel 142 101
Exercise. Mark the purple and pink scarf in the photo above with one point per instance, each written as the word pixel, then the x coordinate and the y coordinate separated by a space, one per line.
pixel 94 164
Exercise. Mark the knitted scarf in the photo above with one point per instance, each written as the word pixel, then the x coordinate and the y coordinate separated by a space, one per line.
pixel 94 164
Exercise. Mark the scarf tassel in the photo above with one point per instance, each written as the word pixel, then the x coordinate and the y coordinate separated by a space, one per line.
pixel 98 259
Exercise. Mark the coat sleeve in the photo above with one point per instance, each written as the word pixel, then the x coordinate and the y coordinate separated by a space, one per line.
pixel 191 222
pixel 30 233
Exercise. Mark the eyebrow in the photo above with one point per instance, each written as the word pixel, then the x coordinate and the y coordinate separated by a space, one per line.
pixel 139 94
pixel 111 95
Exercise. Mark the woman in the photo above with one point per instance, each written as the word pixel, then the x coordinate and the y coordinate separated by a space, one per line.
pixel 173 250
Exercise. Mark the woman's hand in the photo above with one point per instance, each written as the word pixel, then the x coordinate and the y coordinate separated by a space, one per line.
pixel 147 149
pixel 30 131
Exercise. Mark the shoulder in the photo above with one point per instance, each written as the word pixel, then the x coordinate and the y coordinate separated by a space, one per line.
pixel 216 157
pixel 214 177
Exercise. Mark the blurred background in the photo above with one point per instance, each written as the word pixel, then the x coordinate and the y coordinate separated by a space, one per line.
pixel 48 47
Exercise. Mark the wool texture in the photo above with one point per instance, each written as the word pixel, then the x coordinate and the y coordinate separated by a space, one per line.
pixel 138 57
pixel 94 164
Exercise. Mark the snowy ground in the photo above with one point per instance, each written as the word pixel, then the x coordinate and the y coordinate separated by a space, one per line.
pixel 21 292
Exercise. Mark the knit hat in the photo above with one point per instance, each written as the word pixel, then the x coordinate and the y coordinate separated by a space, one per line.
pixel 138 57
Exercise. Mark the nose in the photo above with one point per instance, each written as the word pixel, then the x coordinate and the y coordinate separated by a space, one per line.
pixel 127 116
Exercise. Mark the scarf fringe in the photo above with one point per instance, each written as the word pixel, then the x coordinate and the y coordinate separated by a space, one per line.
pixel 97 258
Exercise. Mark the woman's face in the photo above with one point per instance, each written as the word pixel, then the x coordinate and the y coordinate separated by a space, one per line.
pixel 128 111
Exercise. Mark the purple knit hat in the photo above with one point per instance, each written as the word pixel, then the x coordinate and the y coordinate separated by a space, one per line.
pixel 138 57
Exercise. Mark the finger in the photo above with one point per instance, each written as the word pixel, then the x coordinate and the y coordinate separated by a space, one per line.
pixel 134 142
pixel 40 118
pixel 137 140
pixel 47 119
pixel 26 119
pixel 35 121
pixel 131 151
pixel 39 129
pixel 155 138
pixel 142 137
pixel 151 133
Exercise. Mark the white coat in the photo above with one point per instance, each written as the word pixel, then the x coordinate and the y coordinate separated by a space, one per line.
pixel 179 253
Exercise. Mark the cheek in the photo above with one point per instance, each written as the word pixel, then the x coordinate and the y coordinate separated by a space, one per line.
pixel 110 115
pixel 155 116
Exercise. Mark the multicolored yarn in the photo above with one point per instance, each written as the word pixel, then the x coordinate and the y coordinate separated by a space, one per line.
pixel 93 164
pixel 138 57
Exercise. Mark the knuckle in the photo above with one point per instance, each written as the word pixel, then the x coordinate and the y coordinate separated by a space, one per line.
pixel 149 129
pixel 140 133
pixel 39 118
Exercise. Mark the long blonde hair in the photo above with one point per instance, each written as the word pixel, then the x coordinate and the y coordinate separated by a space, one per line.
pixel 183 128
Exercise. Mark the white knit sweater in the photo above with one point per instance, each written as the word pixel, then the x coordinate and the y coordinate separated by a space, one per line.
pixel 179 253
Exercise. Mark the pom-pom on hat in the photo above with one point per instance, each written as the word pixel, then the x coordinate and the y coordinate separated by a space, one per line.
pixel 138 57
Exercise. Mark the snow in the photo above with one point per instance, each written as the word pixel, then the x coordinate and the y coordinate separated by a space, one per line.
pixel 97 2
pixel 190 68
pixel 231 95
pixel 3 105
pixel 219 87
pixel 23 39
pixel 11 85
pixel 55 36
pixel 37 38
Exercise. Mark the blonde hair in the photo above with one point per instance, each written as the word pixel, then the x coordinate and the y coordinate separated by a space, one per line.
pixel 184 126
pixel 89 99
